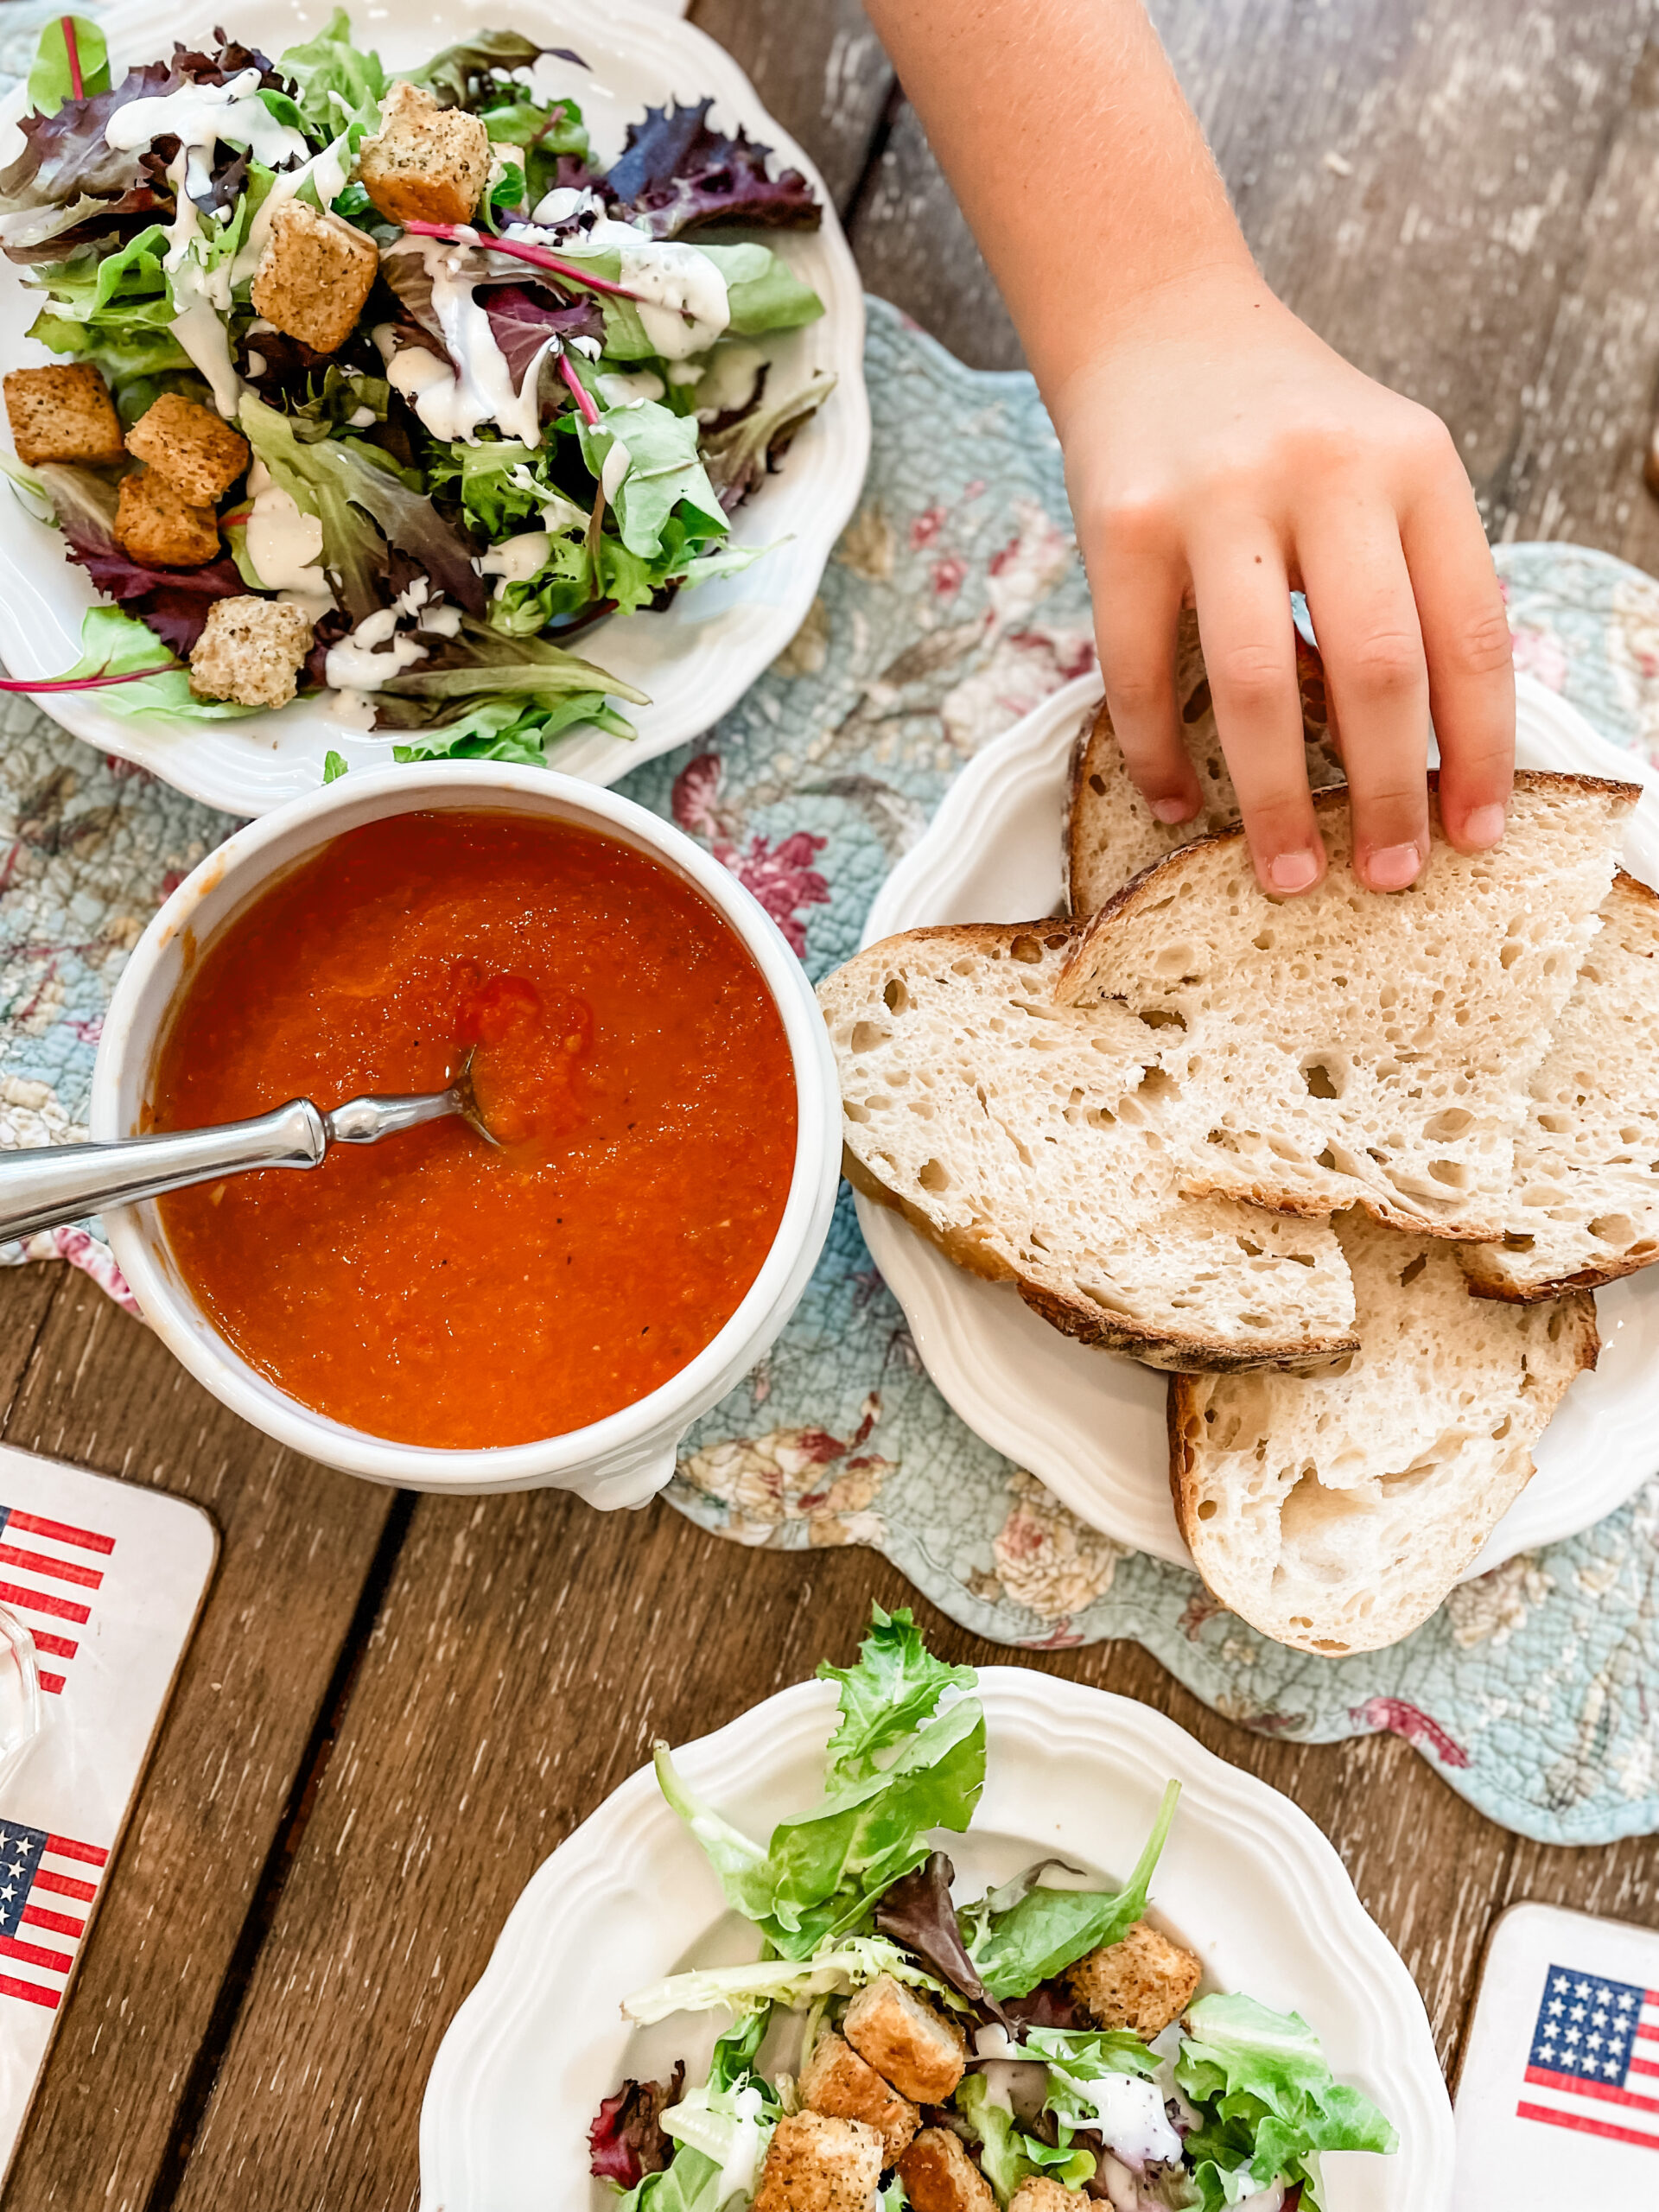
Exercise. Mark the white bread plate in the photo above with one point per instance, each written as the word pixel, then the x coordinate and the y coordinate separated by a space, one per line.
pixel 1088 1424
pixel 696 657
pixel 1246 1879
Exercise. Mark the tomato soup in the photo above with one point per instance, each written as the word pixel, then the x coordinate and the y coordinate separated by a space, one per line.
pixel 429 1289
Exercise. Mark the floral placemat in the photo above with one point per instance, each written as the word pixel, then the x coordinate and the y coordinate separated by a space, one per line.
pixel 955 603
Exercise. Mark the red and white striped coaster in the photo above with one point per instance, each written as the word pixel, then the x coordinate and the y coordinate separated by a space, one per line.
pixel 109 1578
pixel 1558 2099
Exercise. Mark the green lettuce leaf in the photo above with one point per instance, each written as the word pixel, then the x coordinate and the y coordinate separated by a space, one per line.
pixel 690 2183
pixel 341 86
pixel 888 1695
pixel 664 469
pixel 835 1973
pixel 737 457
pixel 112 643
pixel 1075 2055
pixel 510 729
pixel 115 311
pixel 1008 2156
pixel 1042 1931
pixel 1268 2102
pixel 820 1875
pixel 50 81
pixel 351 487
pixel 765 292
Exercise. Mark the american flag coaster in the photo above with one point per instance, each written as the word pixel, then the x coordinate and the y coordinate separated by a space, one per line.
pixel 1558 2100
pixel 109 1578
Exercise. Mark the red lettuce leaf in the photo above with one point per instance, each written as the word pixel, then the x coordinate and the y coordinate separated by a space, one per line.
pixel 178 614
pixel 681 175
pixel 66 159
pixel 626 2141
pixel 523 317
pixel 1051 2004
pixel 917 1911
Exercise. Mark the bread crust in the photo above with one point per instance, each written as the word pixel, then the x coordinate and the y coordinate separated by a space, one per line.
pixel 1180 1405
pixel 1097 746
pixel 1487 1282
pixel 1140 889
pixel 1162 1348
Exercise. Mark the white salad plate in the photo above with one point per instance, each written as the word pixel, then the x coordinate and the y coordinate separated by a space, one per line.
pixel 1088 1423
pixel 696 659
pixel 1246 1878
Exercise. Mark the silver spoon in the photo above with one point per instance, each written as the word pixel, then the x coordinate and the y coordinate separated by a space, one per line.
pixel 40 1186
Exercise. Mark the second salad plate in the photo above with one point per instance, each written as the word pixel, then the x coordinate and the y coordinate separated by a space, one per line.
pixel 1246 1879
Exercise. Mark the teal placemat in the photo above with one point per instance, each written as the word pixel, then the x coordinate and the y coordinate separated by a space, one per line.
pixel 955 603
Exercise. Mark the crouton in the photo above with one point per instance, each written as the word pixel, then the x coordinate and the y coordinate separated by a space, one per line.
pixel 160 529
pixel 1042 2193
pixel 197 451
pixel 939 2176
pixel 429 164
pixel 314 276
pixel 819 2165
pixel 1142 1983
pixel 837 2081
pixel 62 413
pixel 907 2041
pixel 251 651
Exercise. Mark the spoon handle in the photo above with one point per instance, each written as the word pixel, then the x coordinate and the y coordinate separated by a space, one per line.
pixel 40 1187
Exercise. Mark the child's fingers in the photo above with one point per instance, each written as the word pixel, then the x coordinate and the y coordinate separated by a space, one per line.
pixel 1250 652
pixel 1471 670
pixel 1136 627
pixel 1365 617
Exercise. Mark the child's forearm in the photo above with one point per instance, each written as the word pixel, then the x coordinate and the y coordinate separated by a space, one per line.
pixel 1076 161
pixel 1216 450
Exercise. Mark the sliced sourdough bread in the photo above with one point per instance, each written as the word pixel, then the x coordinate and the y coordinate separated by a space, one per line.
pixel 1111 833
pixel 1029 1141
pixel 1335 1512
pixel 1349 1047
pixel 1584 1207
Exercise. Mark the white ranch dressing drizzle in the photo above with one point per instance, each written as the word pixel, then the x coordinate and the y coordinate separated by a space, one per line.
pixel 1129 2111
pixel 564 203
pixel 200 115
pixel 617 463
pixel 729 379
pixel 625 387
pixel 516 559
pixel 352 708
pixel 285 544
pixel 453 405
pixel 739 2173
pixel 680 296
pixel 207 293
pixel 375 651
pixel 328 173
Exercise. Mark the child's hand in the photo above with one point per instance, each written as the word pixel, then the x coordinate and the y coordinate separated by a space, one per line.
pixel 1216 449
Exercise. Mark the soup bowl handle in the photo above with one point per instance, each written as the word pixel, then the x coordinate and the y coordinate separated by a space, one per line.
pixel 632 1479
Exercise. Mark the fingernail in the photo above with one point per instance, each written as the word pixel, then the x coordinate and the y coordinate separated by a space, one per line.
pixel 1485 827
pixel 1394 868
pixel 1174 809
pixel 1291 871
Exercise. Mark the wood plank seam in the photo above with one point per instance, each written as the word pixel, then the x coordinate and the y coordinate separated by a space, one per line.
pixel 279 1860
pixel 891 108
pixel 33 1353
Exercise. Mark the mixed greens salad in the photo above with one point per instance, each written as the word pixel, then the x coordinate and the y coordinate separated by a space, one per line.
pixel 545 412
pixel 1055 2099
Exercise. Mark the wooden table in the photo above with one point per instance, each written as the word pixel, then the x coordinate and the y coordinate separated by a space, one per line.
pixel 395 1706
